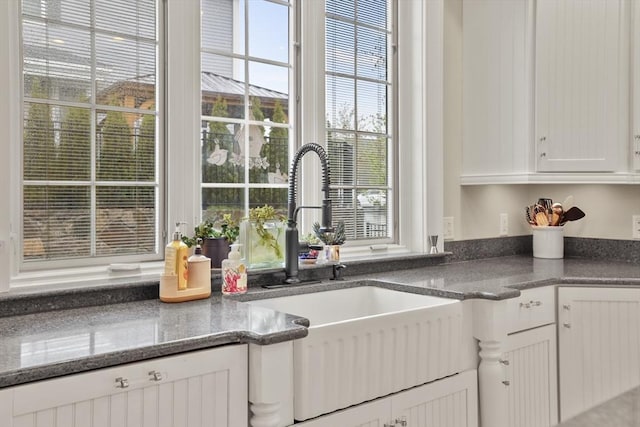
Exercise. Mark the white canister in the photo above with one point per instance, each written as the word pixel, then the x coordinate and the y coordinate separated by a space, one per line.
pixel 548 242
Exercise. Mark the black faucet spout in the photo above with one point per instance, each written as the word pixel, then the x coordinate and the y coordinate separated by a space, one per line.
pixel 291 234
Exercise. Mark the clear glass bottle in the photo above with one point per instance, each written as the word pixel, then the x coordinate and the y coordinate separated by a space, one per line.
pixel 234 273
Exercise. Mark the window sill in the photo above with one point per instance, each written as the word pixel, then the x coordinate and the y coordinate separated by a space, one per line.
pixel 357 257
pixel 69 278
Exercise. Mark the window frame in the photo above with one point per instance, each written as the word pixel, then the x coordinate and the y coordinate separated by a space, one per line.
pixel 420 125
pixel 391 187
pixel 93 183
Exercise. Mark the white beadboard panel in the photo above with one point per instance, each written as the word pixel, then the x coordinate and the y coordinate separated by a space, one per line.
pixel 599 345
pixel 27 420
pixel 196 391
pixel 582 85
pixel 635 40
pixel 497 76
pixel 532 375
pixel 344 364
pixel 449 402
pixel 370 414
pixel 452 402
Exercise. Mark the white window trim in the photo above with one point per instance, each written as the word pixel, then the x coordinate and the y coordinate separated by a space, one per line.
pixel 420 131
pixel 10 114
pixel 420 123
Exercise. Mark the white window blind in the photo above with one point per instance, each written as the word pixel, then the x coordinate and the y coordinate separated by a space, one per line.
pixel 245 85
pixel 90 130
pixel 359 115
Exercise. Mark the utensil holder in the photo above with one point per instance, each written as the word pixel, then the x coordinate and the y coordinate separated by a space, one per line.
pixel 548 242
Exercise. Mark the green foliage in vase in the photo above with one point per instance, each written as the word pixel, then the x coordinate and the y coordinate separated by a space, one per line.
pixel 259 216
pixel 229 229
pixel 336 237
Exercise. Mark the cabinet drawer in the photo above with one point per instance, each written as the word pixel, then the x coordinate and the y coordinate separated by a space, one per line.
pixel 534 307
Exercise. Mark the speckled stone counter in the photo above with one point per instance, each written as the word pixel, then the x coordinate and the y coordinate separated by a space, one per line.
pixel 70 340
pixel 55 343
pixel 621 411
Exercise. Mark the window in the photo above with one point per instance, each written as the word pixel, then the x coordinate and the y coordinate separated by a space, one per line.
pixel 245 80
pixel 90 176
pixel 359 117
pixel 87 139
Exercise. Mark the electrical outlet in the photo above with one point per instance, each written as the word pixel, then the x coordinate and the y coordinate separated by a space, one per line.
pixel 635 231
pixel 447 229
pixel 504 224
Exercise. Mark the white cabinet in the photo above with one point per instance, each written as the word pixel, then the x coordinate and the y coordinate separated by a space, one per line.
pixel 497 75
pixel 598 344
pixel 546 93
pixel 449 402
pixel 582 85
pixel 635 67
pixel 529 359
pixel 197 389
pixel 531 377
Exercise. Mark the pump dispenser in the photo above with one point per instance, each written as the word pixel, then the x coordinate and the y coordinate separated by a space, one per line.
pixel 234 273
pixel 175 258
pixel 185 278
pixel 199 270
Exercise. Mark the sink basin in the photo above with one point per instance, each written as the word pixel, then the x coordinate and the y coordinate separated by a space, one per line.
pixel 342 305
pixel 366 342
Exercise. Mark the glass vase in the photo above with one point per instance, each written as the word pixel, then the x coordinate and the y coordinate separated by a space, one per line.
pixel 264 246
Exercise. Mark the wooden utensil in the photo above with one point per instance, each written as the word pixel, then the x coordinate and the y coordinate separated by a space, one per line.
pixel 557 213
pixel 542 219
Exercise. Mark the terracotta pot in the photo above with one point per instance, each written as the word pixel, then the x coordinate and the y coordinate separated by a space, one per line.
pixel 216 249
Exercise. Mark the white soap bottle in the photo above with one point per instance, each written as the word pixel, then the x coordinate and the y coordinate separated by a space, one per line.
pixel 234 273
pixel 199 270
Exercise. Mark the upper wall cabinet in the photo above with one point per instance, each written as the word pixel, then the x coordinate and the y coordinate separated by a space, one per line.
pixel 546 91
pixel 581 85
pixel 635 72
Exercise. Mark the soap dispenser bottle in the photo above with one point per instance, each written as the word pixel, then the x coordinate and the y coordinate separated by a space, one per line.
pixel 176 259
pixel 200 270
pixel 234 273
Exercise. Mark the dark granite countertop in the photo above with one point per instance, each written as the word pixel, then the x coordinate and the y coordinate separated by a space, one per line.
pixel 69 340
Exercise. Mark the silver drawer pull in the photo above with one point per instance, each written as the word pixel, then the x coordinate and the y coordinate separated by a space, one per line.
pixel 401 421
pixel 504 362
pixel 530 304
pixel 566 306
pixel 155 376
pixel 507 383
pixel 122 382
pixel 567 325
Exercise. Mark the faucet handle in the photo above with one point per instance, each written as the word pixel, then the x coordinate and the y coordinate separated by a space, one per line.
pixel 337 271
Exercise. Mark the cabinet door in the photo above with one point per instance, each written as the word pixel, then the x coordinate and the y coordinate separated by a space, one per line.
pixel 372 414
pixel 451 402
pixel 532 377
pixel 582 85
pixel 496 99
pixel 636 85
pixel 205 388
pixel 599 345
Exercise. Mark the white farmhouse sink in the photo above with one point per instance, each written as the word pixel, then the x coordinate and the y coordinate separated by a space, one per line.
pixel 367 342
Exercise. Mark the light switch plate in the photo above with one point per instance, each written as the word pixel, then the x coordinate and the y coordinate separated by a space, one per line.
pixel 635 233
pixel 504 224
pixel 447 229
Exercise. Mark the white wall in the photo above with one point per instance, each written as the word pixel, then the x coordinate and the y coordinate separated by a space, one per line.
pixel 476 209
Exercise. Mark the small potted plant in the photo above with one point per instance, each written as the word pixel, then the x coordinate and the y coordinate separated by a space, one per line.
pixel 215 242
pixel 311 256
pixel 332 240
pixel 263 237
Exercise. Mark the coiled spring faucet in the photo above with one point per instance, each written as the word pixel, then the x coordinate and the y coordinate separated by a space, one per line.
pixel 291 235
